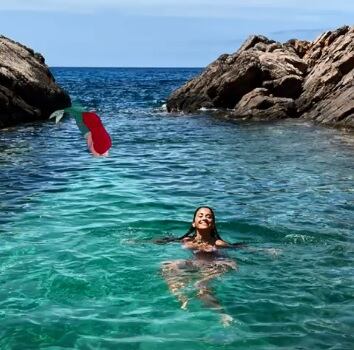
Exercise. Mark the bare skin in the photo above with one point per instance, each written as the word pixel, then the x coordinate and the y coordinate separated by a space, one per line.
pixel 206 265
pixel 91 147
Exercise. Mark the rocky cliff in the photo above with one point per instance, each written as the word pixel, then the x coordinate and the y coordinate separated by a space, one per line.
pixel 28 91
pixel 267 80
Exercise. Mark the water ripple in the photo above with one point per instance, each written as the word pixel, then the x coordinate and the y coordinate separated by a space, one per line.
pixel 78 268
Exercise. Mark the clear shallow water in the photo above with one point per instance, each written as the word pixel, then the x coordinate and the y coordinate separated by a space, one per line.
pixel 77 271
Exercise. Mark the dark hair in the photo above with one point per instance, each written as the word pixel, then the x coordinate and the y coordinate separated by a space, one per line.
pixel 191 230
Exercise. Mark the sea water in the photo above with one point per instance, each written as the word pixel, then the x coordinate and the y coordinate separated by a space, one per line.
pixel 79 270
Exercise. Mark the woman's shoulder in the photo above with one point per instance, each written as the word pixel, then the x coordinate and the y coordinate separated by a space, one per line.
pixel 221 243
pixel 188 242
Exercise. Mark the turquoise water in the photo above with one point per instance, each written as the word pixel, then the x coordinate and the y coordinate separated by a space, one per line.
pixel 77 269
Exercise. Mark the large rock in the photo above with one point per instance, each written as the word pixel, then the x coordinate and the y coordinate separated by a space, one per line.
pixel 266 80
pixel 221 85
pixel 28 91
pixel 259 104
pixel 259 63
pixel 328 95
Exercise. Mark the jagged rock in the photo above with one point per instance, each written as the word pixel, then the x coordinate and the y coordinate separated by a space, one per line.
pixel 220 86
pixel 300 47
pixel 328 95
pixel 28 91
pixel 253 41
pixel 259 104
pixel 287 86
pixel 258 63
pixel 312 80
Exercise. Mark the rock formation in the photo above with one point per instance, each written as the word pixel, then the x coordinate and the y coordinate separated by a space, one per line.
pixel 267 80
pixel 28 91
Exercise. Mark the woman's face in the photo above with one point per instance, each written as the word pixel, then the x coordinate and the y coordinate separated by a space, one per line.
pixel 204 220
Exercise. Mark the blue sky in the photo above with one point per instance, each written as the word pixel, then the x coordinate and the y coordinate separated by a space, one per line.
pixel 160 33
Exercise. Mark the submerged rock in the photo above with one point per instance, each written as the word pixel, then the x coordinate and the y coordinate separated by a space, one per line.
pixel 28 91
pixel 267 80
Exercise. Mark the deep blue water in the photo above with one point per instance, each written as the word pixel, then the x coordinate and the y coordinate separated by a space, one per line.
pixel 77 269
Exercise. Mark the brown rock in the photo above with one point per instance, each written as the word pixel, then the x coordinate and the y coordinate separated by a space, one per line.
pixel 259 63
pixel 328 94
pixel 287 86
pixel 300 47
pixel 221 85
pixel 259 104
pixel 312 80
pixel 28 90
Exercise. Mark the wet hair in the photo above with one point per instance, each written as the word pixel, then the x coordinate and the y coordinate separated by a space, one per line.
pixel 191 232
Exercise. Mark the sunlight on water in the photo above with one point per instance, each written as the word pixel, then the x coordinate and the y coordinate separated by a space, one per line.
pixel 78 269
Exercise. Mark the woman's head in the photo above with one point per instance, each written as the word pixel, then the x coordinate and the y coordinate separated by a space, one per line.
pixel 203 219
pixel 203 222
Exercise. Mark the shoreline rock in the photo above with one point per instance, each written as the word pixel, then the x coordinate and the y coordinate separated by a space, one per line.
pixel 28 91
pixel 267 80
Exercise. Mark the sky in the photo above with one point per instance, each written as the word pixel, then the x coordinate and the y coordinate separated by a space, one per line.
pixel 160 33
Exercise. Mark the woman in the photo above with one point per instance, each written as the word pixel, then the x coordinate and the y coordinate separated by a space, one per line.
pixel 204 241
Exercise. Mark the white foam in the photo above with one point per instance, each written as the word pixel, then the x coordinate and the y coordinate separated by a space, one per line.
pixel 204 109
